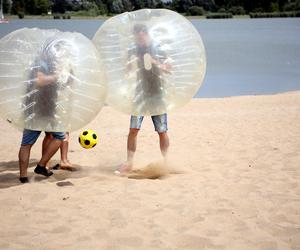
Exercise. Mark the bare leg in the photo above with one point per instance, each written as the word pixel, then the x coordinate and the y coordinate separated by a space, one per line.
pixel 52 148
pixel 64 148
pixel 24 155
pixel 46 142
pixel 131 148
pixel 131 144
pixel 164 144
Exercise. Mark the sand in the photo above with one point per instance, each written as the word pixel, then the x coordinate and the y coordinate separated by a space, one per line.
pixel 232 182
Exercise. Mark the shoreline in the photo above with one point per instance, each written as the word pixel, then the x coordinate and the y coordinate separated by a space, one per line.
pixel 247 95
pixel 79 17
pixel 37 17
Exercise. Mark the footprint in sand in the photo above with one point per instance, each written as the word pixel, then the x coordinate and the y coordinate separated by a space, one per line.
pixel 64 183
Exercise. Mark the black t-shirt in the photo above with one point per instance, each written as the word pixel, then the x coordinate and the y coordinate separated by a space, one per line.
pixel 151 82
pixel 41 100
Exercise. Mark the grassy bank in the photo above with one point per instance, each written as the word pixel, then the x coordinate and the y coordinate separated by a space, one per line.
pixel 80 17
pixel 52 17
pixel 208 16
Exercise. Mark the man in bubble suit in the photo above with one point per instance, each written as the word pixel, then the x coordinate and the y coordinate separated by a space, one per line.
pixel 151 62
pixel 40 104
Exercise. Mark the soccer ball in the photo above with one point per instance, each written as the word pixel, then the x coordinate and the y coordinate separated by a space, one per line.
pixel 88 139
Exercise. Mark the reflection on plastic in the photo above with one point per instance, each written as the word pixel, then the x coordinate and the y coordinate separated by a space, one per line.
pixel 154 59
pixel 50 80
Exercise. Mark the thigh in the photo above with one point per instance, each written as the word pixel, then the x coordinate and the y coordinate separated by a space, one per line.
pixel 160 123
pixel 30 137
pixel 58 135
pixel 136 121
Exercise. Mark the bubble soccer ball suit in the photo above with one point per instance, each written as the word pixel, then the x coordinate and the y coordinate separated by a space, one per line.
pixel 50 80
pixel 154 61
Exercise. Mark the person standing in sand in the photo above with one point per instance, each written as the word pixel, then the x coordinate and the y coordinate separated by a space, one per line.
pixel 46 80
pixel 149 92
pixel 40 106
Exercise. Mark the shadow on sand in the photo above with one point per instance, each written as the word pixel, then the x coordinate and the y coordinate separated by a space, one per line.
pixel 9 174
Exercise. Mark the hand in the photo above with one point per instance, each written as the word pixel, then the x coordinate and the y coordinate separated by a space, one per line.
pixel 43 79
pixel 63 77
pixel 63 72
pixel 166 67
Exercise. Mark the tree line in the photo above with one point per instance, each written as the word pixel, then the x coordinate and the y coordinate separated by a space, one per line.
pixel 109 7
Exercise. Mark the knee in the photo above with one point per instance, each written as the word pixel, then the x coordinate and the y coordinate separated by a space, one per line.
pixel 163 135
pixel 24 153
pixel 133 132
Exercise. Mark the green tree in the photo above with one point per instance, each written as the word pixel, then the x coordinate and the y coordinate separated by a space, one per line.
pixel 138 4
pixel 60 6
pixel 161 5
pixel 292 6
pixel 182 6
pixel 237 10
pixel 6 6
pixel 101 7
pixel 93 10
pixel 117 7
pixel 151 4
pixel 120 6
pixel 17 6
pixel 196 11
pixel 127 5
pixel 42 7
pixel 30 6
pixel 208 5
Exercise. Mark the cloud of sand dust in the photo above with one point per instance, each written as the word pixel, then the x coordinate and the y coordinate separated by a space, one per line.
pixel 153 170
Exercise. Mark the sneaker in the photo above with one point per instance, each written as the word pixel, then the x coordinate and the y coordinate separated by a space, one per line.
pixel 43 171
pixel 24 179
pixel 56 167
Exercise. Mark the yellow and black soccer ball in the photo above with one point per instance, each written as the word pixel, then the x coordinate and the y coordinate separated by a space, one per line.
pixel 88 139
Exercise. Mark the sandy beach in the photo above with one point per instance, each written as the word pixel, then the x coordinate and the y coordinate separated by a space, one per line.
pixel 232 182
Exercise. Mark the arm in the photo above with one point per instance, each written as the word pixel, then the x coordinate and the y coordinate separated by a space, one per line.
pixel 161 60
pixel 165 66
pixel 43 79
pixel 131 60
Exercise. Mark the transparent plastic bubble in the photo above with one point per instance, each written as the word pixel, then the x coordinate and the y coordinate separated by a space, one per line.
pixel 154 60
pixel 50 80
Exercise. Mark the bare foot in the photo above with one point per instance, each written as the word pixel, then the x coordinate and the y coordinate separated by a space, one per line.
pixel 124 168
pixel 66 165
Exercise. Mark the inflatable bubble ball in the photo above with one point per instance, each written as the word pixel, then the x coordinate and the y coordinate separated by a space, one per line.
pixel 154 61
pixel 50 80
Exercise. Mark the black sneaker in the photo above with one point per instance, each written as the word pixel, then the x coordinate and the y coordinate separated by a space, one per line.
pixel 24 179
pixel 43 171
pixel 56 167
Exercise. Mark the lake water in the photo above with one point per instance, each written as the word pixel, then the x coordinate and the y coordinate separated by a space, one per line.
pixel 244 56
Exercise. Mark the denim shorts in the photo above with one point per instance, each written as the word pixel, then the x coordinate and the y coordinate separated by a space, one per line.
pixel 30 136
pixel 159 121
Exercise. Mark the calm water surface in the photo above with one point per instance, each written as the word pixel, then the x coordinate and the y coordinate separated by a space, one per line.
pixel 244 56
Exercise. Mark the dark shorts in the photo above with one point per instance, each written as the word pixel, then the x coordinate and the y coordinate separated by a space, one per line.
pixel 160 122
pixel 30 136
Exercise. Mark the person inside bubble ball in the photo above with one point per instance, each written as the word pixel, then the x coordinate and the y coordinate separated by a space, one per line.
pixel 40 105
pixel 151 63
